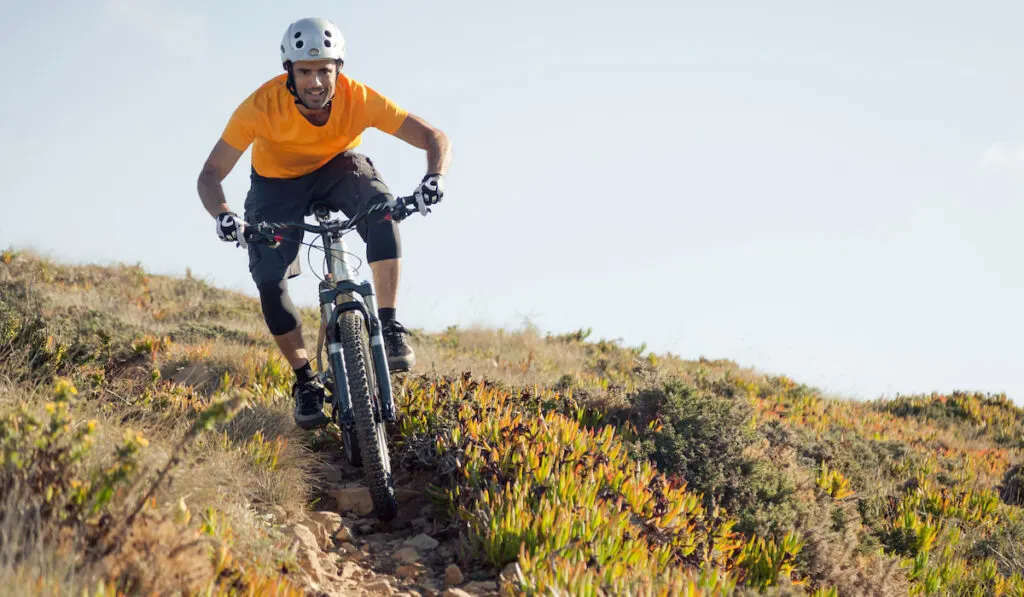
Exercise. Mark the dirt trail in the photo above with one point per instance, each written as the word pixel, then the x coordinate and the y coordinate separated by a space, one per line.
pixel 344 550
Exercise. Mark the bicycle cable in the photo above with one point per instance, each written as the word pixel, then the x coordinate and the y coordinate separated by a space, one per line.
pixel 309 256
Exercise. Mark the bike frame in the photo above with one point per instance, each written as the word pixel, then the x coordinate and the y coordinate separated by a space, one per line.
pixel 339 292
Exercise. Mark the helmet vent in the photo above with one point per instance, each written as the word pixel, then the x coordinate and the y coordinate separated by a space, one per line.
pixel 327 43
pixel 327 32
pixel 298 34
pixel 282 48
pixel 299 44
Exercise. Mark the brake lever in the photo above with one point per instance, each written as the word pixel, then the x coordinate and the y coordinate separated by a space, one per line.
pixel 240 240
pixel 273 238
pixel 270 238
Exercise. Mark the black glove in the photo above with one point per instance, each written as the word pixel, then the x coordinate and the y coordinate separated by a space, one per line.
pixel 431 190
pixel 229 228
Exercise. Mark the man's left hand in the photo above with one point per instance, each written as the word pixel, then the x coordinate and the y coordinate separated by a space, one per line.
pixel 431 190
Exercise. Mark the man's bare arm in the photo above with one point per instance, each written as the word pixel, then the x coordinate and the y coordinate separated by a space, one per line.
pixel 417 132
pixel 222 159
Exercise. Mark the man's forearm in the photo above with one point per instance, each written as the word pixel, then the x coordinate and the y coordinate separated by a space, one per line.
pixel 212 195
pixel 439 154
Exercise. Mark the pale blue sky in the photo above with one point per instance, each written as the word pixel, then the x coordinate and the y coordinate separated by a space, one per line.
pixel 831 192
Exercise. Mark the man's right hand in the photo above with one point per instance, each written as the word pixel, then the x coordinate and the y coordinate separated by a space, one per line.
pixel 229 227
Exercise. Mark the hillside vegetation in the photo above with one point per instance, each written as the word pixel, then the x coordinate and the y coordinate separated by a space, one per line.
pixel 147 448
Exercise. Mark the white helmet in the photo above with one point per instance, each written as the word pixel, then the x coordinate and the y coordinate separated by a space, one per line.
pixel 312 39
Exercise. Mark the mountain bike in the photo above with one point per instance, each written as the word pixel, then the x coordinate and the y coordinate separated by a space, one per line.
pixel 356 377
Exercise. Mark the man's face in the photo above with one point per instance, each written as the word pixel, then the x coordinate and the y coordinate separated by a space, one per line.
pixel 315 81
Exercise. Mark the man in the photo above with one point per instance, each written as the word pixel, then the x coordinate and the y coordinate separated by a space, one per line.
pixel 303 126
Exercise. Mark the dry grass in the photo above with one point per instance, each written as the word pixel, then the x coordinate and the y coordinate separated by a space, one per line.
pixel 158 556
pixel 174 345
pixel 227 475
pixel 521 357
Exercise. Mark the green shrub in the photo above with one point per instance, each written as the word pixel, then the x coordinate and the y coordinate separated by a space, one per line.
pixel 531 485
pixel 1012 489
pixel 701 439
pixel 45 485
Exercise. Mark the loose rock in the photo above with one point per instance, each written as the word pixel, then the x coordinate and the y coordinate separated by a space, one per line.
pixel 322 536
pixel 407 555
pixel 381 586
pixel 349 548
pixel 354 499
pixel 349 570
pixel 422 542
pixel 453 576
pixel 343 534
pixel 481 587
pixel 331 521
pixel 409 570
pixel 446 551
pixel 308 552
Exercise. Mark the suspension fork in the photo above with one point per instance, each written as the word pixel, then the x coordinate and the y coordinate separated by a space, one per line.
pixel 380 357
pixel 368 307
pixel 340 296
pixel 335 356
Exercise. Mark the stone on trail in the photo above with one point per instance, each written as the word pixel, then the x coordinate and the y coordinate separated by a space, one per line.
pixel 453 576
pixel 481 587
pixel 343 534
pixel 349 570
pixel 308 552
pixel 381 586
pixel 354 499
pixel 409 570
pixel 422 542
pixel 407 555
pixel 331 521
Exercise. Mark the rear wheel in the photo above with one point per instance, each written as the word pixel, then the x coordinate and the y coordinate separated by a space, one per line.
pixel 371 435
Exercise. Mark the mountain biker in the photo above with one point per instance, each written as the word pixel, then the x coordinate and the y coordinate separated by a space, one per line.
pixel 303 126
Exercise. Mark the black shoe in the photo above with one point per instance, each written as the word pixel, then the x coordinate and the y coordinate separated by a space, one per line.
pixel 309 404
pixel 400 354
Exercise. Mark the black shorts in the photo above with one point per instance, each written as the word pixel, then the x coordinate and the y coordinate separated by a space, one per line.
pixel 348 183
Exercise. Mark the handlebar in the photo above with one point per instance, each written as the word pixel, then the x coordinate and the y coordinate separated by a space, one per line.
pixel 266 232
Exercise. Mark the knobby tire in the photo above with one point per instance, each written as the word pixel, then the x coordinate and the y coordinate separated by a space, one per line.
pixel 370 429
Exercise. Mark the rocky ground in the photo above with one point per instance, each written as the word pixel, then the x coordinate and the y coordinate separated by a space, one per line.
pixel 344 550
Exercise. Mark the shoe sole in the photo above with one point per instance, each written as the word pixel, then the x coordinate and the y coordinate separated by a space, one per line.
pixel 401 364
pixel 311 421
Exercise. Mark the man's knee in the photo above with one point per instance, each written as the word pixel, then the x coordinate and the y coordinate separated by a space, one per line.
pixel 278 310
pixel 381 235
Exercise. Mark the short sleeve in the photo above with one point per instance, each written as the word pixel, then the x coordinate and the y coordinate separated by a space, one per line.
pixel 383 114
pixel 241 129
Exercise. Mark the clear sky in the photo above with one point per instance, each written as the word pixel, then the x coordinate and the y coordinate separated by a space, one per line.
pixel 834 191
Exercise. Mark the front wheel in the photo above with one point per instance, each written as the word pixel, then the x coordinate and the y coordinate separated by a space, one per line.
pixel 370 430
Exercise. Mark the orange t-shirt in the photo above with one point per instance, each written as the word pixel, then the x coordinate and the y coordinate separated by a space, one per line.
pixel 286 145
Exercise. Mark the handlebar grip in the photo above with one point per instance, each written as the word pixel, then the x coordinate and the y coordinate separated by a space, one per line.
pixel 401 209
